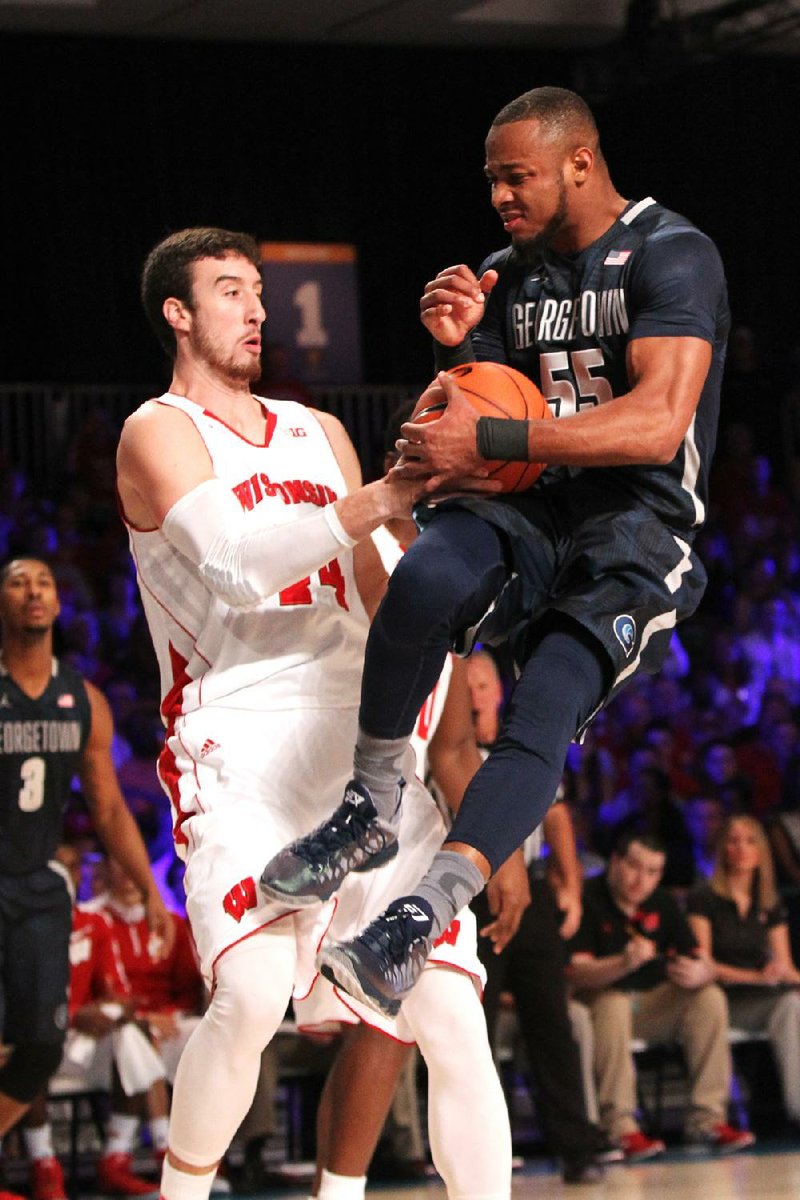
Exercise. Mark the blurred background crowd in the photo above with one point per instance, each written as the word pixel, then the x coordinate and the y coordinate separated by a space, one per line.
pixel 718 731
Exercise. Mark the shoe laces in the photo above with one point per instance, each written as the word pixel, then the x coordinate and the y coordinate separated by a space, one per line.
pixel 392 936
pixel 349 823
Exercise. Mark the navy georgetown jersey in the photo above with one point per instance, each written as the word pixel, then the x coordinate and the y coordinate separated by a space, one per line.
pixel 40 748
pixel 565 321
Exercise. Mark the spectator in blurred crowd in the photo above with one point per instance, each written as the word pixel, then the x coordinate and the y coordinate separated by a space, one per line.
pixel 635 963
pixel 740 924
pixel 705 817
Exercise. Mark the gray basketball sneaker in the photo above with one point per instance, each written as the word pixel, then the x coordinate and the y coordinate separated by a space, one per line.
pixel 381 965
pixel 312 868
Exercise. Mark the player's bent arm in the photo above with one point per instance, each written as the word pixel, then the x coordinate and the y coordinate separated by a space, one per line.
pixel 646 424
pixel 112 818
pixel 366 506
pixel 201 517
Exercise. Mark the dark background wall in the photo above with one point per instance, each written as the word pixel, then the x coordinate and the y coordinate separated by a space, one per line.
pixel 108 145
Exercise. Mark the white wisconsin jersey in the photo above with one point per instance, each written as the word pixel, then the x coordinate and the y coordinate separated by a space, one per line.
pixel 430 714
pixel 300 648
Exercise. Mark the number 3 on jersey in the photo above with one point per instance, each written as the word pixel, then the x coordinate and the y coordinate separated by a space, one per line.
pixel 31 794
pixel 300 593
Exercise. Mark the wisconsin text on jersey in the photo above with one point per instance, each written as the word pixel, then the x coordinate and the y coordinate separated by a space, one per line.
pixel 600 314
pixel 292 491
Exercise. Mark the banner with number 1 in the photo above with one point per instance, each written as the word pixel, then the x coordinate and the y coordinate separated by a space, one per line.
pixel 311 297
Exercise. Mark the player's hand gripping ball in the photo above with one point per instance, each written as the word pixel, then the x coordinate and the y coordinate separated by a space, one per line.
pixel 496 390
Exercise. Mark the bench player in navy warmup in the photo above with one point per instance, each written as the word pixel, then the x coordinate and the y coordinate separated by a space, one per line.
pixel 53 724
pixel 617 309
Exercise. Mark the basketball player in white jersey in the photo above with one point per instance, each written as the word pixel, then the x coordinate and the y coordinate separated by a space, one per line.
pixel 249 529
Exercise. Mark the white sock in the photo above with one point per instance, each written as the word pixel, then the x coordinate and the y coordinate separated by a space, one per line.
pixel 121 1133
pixel 159 1129
pixel 39 1141
pixel 177 1185
pixel 341 1187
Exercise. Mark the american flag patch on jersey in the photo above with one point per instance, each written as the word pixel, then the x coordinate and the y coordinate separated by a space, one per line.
pixel 616 258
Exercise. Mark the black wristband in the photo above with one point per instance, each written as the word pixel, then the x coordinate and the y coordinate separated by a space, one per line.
pixel 445 357
pixel 503 439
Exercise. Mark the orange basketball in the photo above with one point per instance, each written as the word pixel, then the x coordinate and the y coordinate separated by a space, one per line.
pixel 495 390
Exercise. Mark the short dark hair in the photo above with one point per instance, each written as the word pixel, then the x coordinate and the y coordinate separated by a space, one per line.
pixel 566 116
pixel 167 270
pixel 5 568
pixel 648 840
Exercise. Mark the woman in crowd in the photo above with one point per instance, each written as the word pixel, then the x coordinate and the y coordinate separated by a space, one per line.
pixel 740 923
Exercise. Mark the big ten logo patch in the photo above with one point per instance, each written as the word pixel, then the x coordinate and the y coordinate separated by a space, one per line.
pixel 242 897
pixel 450 935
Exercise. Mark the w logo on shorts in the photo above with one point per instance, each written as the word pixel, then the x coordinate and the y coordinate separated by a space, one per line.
pixel 450 935
pixel 241 898
pixel 625 632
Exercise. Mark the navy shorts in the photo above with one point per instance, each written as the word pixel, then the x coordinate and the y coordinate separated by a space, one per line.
pixel 35 927
pixel 580 547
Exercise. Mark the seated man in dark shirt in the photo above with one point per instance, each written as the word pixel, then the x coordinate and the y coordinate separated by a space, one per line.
pixel 635 963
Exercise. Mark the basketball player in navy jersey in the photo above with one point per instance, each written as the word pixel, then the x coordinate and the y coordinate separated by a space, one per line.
pixel 53 725
pixel 617 309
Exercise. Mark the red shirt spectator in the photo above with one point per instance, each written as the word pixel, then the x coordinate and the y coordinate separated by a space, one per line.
pixel 96 969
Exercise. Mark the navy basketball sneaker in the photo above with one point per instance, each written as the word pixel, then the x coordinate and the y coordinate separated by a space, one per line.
pixel 312 868
pixel 381 965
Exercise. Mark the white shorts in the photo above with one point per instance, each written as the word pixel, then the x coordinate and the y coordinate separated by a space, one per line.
pixel 361 897
pixel 251 782
pixel 248 783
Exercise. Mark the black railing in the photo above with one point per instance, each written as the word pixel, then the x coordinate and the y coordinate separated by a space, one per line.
pixel 40 421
